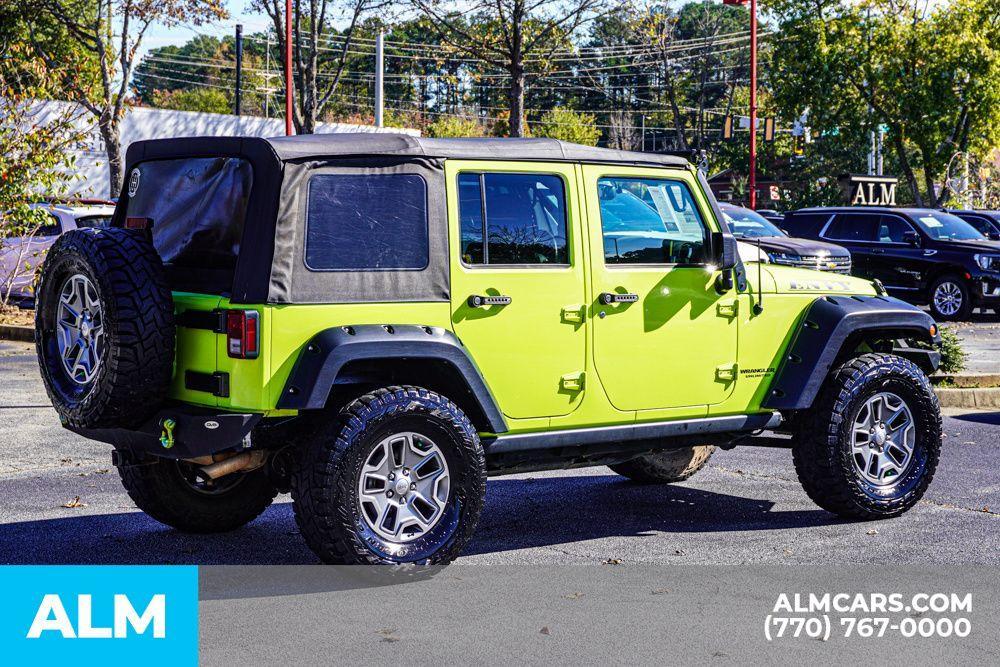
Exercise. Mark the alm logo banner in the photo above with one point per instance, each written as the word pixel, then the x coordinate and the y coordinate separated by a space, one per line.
pixel 84 615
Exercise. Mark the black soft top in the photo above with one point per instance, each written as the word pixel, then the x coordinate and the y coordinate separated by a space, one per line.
pixel 270 263
pixel 320 146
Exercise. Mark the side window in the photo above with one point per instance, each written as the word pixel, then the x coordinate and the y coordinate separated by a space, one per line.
pixel 93 221
pixel 370 222
pixel 50 228
pixel 650 221
pixel 981 224
pixel 522 218
pixel 892 228
pixel 853 227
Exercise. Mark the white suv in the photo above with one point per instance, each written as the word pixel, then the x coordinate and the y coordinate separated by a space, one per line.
pixel 20 256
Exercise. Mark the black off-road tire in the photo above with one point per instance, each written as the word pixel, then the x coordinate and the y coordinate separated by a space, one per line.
pixel 664 467
pixel 966 307
pixel 138 343
pixel 161 489
pixel 325 478
pixel 822 448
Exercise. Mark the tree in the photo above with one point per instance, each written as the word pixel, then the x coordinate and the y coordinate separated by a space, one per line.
pixel 112 31
pixel 35 154
pixel 568 125
pixel 516 37
pixel 452 126
pixel 320 52
pixel 204 100
pixel 929 72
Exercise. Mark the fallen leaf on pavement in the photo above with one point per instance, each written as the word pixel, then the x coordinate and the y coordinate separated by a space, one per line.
pixel 574 596
pixel 545 630
pixel 387 634
pixel 659 591
pixel 73 504
pixel 873 531
pixel 612 561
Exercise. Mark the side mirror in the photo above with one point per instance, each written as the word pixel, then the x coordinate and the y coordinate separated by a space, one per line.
pixel 725 256
pixel 993 235
pixel 911 238
pixel 725 251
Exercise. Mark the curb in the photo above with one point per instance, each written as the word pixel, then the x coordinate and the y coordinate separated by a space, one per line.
pixel 969 398
pixel 968 380
pixel 14 332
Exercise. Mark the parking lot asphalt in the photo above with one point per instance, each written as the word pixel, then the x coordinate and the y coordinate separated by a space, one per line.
pixel 61 502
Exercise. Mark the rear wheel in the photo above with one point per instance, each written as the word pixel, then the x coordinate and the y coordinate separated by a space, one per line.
pixel 399 476
pixel 869 447
pixel 669 465
pixel 178 494
pixel 950 299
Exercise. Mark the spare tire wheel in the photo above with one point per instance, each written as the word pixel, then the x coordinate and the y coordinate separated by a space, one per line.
pixel 104 328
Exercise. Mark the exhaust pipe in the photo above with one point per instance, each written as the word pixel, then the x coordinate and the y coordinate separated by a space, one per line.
pixel 243 462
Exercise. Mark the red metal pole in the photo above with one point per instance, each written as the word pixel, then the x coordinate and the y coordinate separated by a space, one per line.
pixel 753 104
pixel 288 68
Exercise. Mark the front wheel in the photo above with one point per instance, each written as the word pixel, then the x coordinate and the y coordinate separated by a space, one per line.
pixel 399 476
pixel 870 446
pixel 950 299
pixel 667 466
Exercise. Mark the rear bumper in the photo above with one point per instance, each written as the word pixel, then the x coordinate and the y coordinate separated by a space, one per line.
pixel 196 432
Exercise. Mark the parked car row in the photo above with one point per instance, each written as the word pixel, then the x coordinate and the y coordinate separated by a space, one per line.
pixel 947 260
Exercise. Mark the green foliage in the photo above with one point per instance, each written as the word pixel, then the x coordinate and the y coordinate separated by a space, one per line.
pixel 34 155
pixel 450 126
pixel 568 125
pixel 930 72
pixel 953 355
pixel 206 100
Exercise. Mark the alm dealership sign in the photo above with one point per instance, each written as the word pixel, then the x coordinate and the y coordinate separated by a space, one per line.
pixel 869 190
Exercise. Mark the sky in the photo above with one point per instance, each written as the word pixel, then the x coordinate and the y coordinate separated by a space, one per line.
pixel 239 12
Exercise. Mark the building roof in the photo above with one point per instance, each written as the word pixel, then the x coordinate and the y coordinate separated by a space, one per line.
pixel 308 146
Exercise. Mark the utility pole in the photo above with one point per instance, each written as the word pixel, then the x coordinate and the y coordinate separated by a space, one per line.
pixel 267 69
pixel 643 132
pixel 239 69
pixel 753 96
pixel 288 68
pixel 753 104
pixel 379 79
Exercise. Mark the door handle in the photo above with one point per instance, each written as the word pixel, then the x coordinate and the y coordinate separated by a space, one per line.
pixel 482 301
pixel 608 298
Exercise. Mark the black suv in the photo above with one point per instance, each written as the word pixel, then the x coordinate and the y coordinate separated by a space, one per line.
pixel 922 255
pixel 987 222
pixel 750 226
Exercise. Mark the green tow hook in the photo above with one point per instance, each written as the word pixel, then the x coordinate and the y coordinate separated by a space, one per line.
pixel 167 436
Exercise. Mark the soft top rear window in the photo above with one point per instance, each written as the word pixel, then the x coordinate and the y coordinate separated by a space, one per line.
pixel 198 208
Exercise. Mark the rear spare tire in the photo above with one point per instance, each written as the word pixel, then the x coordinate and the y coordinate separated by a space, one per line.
pixel 104 328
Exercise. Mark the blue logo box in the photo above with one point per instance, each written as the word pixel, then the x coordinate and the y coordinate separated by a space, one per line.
pixel 99 615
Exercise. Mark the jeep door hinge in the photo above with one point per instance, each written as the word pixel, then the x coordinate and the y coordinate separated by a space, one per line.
pixel 729 309
pixel 574 314
pixel 726 373
pixel 572 382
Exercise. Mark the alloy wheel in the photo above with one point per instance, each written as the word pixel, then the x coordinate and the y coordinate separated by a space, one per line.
pixel 883 437
pixel 80 329
pixel 948 298
pixel 403 487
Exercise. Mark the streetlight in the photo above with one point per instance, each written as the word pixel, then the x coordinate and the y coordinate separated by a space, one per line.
pixel 753 95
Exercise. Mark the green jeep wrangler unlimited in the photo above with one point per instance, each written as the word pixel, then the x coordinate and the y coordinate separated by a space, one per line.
pixel 378 322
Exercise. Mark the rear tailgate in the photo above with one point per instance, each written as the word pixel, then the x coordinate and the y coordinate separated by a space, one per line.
pixel 198 348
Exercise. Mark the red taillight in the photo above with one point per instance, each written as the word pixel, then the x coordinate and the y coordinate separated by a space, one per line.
pixel 242 328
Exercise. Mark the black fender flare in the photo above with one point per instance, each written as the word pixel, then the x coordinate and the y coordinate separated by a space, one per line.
pixel 323 358
pixel 822 333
